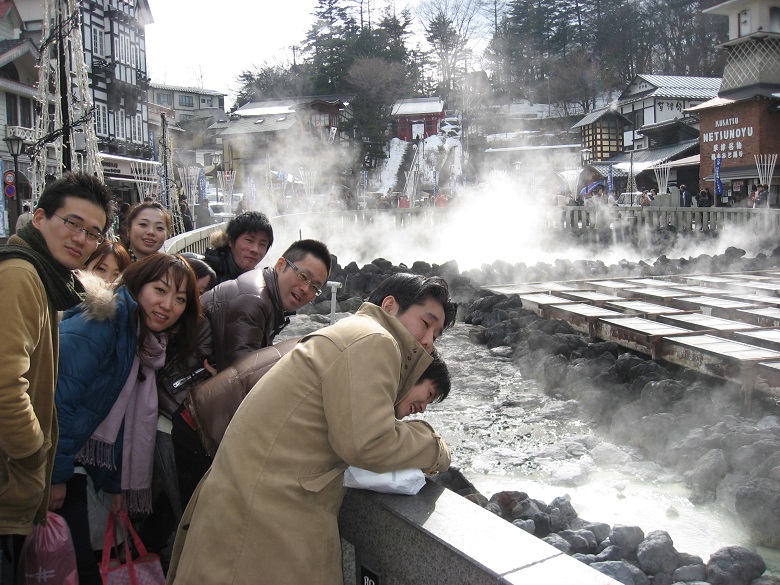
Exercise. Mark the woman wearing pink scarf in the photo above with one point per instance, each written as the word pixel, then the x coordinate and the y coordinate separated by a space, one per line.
pixel 111 347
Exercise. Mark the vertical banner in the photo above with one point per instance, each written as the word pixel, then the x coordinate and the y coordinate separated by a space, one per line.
pixel 718 182
pixel 201 184
pixel 252 194
pixel 4 233
pixel 153 144
pixel 610 181
pixel 435 184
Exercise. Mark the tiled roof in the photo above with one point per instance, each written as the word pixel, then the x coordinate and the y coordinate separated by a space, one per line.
pixel 197 90
pixel 8 44
pixel 676 86
pixel 259 124
pixel 653 155
pixel 596 115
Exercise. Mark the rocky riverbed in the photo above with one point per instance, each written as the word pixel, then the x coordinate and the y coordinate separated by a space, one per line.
pixel 534 398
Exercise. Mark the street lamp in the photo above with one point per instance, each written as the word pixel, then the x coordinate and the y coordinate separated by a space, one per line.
pixel 15 145
pixel 216 159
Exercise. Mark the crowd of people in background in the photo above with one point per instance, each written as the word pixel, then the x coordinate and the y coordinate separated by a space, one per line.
pixel 122 367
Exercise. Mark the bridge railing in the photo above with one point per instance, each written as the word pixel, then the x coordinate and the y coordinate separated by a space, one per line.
pixel 682 218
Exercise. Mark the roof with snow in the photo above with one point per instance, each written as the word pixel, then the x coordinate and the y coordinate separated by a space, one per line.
pixel 197 90
pixel 655 155
pixel 670 86
pixel 417 106
pixel 288 105
pixel 591 117
pixel 259 124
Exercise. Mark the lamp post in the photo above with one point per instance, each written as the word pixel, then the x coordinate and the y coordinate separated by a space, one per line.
pixel 217 160
pixel 15 145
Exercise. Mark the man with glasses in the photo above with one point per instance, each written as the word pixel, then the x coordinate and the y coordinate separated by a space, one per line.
pixel 72 217
pixel 246 314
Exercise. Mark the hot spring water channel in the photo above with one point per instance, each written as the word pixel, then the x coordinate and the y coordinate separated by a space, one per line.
pixel 506 434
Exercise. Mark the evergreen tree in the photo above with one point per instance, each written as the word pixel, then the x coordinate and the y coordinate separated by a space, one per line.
pixel 328 44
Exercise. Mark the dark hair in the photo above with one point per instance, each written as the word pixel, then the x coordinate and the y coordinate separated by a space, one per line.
pixel 249 222
pixel 183 335
pixel 81 185
pixel 300 249
pixel 439 375
pixel 26 207
pixel 110 247
pixel 133 213
pixel 201 269
pixel 415 289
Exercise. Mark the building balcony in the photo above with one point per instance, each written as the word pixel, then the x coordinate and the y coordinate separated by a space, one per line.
pixel 100 64
pixel 26 134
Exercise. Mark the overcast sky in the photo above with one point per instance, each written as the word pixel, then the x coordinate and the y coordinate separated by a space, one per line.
pixel 206 43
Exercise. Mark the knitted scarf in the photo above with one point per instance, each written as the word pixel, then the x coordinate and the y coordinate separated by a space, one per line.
pixel 62 288
pixel 136 408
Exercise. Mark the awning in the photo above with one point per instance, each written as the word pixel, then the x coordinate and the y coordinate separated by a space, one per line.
pixel 688 161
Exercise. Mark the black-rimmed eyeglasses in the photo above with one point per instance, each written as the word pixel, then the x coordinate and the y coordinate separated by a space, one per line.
pixel 77 228
pixel 304 279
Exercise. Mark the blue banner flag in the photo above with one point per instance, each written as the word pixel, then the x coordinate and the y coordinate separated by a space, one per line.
pixel 201 184
pixel 610 181
pixel 252 193
pixel 718 182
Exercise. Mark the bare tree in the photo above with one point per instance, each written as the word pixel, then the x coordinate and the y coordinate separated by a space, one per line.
pixel 450 27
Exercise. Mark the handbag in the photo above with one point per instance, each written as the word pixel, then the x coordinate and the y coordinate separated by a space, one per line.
pixel 145 569
pixel 48 555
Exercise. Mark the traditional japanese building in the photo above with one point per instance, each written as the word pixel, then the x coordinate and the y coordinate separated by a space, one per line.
pixel 740 128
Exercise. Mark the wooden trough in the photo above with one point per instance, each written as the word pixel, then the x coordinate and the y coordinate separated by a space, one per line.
pixel 581 316
pixel 700 322
pixel 637 333
pixel 763 317
pixel 768 338
pixel 541 302
pixel 722 358
pixel 715 306
pixel 661 296
pixel 589 296
pixel 642 308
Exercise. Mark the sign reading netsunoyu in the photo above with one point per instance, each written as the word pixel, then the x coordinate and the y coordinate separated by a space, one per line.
pixel 727 139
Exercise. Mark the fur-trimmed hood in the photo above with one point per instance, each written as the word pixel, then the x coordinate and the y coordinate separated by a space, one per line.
pixel 218 239
pixel 101 299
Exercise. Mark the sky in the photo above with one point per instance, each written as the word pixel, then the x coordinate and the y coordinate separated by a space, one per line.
pixel 207 43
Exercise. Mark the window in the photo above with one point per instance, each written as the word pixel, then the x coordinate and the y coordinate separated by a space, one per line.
pixel 206 102
pixel 136 128
pixel 186 101
pixel 320 120
pixel 119 125
pixel 101 119
pixel 185 117
pixel 25 112
pixel 164 99
pixel 97 42
pixel 11 109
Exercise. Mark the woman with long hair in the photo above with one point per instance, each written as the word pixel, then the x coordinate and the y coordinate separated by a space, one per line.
pixel 111 347
pixel 147 226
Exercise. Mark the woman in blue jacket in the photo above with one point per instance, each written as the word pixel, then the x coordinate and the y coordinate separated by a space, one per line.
pixel 111 347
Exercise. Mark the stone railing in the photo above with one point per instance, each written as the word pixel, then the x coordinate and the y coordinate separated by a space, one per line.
pixel 440 538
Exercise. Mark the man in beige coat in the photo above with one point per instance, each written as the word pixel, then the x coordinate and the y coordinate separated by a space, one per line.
pixel 35 268
pixel 267 510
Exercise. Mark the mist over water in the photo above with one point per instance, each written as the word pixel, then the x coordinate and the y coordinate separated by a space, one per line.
pixel 503 221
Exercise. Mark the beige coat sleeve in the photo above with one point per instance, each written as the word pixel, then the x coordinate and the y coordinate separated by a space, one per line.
pixel 359 392
pixel 23 305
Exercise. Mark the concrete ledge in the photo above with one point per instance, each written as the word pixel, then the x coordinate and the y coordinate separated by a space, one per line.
pixel 439 537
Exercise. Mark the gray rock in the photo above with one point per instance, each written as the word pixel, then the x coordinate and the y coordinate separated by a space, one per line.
pixel 558 542
pixel 528 525
pixel 766 580
pixel 656 553
pixel 622 571
pixel 662 579
pixel 581 541
pixel 734 565
pixel 626 537
pixel 583 558
pixel 600 530
pixel 758 506
pixel 610 553
pixel 609 454
pixel 709 470
pixel 744 459
pixel 691 573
